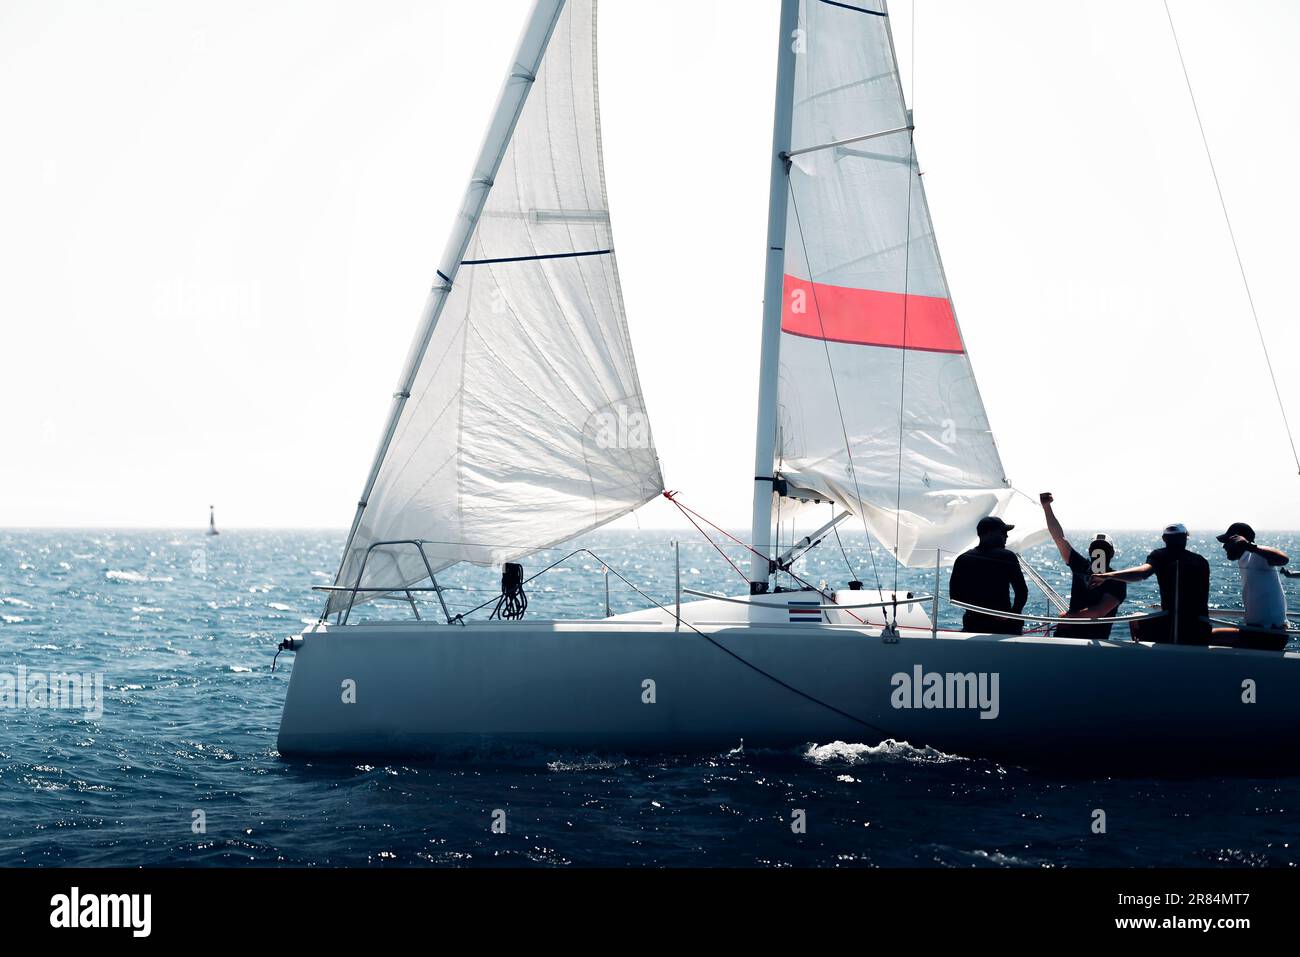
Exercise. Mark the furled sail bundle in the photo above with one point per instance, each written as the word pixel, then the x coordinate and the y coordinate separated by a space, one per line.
pixel 878 409
pixel 519 421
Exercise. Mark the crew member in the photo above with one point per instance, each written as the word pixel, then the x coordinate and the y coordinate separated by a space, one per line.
pixel 989 576
pixel 1264 626
pixel 1086 601
pixel 1184 579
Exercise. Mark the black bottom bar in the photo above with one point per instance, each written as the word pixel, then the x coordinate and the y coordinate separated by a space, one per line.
pixel 979 906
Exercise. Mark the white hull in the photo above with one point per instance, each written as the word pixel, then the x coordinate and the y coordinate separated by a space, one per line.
pixel 433 688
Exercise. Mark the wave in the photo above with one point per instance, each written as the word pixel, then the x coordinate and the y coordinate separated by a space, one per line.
pixel 889 750
pixel 135 578
pixel 586 763
pixel 115 575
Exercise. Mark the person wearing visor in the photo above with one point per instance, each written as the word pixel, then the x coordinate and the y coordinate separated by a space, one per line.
pixel 1086 601
pixel 1261 592
pixel 1184 579
pixel 989 575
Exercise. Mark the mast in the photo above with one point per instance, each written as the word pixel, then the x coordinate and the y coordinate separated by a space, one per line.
pixel 510 104
pixel 773 293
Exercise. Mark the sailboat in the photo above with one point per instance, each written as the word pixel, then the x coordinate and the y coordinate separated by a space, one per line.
pixel 519 423
pixel 212 520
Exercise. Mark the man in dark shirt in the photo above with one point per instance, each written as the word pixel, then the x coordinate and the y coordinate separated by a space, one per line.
pixel 982 576
pixel 1085 600
pixel 1184 579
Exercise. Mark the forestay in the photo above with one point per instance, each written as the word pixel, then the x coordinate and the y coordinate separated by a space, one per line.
pixel 868 328
pixel 525 424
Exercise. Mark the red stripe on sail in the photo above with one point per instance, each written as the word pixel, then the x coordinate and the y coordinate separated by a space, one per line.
pixel 867 317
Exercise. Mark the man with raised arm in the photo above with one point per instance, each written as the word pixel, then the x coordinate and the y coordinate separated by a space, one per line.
pixel 983 575
pixel 1086 601
pixel 1184 579
pixel 1265 625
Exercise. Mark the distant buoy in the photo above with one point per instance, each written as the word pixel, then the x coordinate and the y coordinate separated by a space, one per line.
pixel 212 521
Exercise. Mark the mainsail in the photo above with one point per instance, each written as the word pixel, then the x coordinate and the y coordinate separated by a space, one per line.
pixel 519 421
pixel 878 409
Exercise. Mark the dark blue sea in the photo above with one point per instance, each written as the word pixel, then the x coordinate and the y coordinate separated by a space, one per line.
pixel 182 628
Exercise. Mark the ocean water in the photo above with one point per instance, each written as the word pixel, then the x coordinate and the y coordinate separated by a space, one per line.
pixel 183 629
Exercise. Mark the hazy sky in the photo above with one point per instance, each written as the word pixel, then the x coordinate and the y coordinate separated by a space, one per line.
pixel 219 222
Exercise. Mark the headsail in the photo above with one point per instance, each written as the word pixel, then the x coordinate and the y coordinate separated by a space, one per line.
pixel 868 332
pixel 519 422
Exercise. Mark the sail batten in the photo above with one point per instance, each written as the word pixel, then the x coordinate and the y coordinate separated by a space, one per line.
pixel 525 423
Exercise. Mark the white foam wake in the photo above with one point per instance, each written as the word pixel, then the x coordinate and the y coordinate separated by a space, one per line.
pixel 887 750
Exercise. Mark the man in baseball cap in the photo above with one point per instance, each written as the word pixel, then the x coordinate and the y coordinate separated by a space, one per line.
pixel 1184 579
pixel 1086 601
pixel 983 575
pixel 992 525
pixel 1261 591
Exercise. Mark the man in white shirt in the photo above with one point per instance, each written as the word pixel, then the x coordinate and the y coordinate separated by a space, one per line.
pixel 1261 592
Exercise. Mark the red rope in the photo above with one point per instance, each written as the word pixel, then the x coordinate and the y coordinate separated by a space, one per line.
pixel 688 512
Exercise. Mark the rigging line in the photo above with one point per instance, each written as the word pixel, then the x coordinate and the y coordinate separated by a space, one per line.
pixel 907 277
pixel 766 674
pixel 688 512
pixel 779 500
pixel 555 564
pixel 671 496
pixel 830 367
pixel 788 687
pixel 684 511
pixel 853 572
pixel 1241 266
